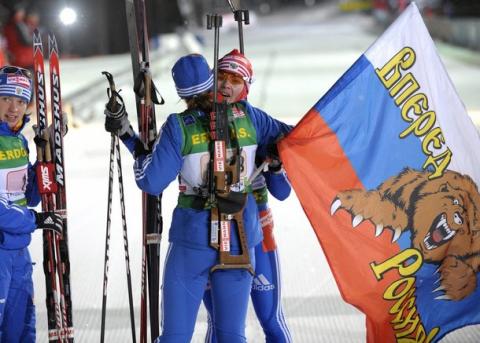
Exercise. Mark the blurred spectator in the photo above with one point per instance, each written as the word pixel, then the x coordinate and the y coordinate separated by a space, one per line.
pixel 449 8
pixel 170 28
pixel 4 14
pixel 32 18
pixel 18 36
pixel 3 54
pixel 461 8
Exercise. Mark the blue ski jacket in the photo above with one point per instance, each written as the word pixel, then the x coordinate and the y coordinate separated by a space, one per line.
pixel 18 189
pixel 168 159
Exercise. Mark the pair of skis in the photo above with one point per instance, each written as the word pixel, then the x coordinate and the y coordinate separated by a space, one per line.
pixel 145 97
pixel 51 181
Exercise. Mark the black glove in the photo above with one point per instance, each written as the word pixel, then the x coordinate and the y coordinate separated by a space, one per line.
pixel 40 139
pixel 49 221
pixel 140 149
pixel 275 164
pixel 117 121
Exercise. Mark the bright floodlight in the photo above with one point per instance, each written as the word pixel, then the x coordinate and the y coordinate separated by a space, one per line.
pixel 68 16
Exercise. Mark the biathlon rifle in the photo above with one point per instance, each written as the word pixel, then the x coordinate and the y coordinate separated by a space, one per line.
pixel 224 173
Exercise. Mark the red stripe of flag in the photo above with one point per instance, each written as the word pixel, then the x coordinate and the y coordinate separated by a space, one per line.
pixel 318 169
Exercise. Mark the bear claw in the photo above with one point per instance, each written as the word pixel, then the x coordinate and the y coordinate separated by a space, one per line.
pixel 357 220
pixel 335 206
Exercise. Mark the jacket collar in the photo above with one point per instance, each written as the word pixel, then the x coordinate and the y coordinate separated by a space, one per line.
pixel 6 130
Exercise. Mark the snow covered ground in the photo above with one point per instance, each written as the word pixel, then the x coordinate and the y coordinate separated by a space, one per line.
pixel 297 55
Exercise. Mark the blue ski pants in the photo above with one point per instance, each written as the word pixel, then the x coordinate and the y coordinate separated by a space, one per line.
pixel 17 311
pixel 266 295
pixel 265 289
pixel 186 275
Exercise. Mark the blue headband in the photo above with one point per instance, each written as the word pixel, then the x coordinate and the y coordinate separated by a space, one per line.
pixel 16 85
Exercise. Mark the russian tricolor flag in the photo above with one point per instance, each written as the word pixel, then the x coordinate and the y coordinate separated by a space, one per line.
pixel 386 166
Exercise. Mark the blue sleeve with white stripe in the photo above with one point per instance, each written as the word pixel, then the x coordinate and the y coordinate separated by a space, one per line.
pixel 155 171
pixel 268 129
pixel 16 219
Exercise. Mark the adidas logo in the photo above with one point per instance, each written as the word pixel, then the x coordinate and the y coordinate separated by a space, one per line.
pixel 261 283
pixel 48 220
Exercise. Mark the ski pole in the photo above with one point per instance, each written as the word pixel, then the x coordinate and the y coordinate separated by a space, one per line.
pixel 257 171
pixel 125 237
pixel 113 106
pixel 107 237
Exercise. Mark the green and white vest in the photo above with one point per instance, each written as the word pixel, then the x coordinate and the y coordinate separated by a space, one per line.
pixel 195 151
pixel 13 169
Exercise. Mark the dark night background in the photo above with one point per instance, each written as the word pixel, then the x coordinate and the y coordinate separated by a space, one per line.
pixel 101 27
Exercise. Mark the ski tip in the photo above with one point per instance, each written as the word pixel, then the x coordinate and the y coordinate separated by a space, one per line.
pixel 37 40
pixel 52 43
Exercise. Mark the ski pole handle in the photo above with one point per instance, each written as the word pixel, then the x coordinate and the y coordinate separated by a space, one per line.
pixel 113 106
pixel 257 171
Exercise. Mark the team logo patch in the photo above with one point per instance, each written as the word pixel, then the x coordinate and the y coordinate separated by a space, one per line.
pixel 233 65
pixel 18 91
pixel 189 119
pixel 19 80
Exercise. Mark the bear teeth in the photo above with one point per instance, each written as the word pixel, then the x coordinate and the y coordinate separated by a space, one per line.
pixel 442 222
pixel 427 243
pixel 439 234
pixel 449 235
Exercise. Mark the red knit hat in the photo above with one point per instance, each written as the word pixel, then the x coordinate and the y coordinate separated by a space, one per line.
pixel 236 63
